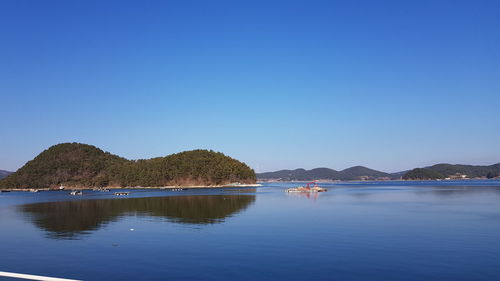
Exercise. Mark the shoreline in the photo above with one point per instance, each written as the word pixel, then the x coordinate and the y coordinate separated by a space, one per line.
pixel 257 184
pixel 132 187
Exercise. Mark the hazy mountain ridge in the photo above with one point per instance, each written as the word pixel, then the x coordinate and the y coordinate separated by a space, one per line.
pixel 438 171
pixel 353 173
pixel 4 174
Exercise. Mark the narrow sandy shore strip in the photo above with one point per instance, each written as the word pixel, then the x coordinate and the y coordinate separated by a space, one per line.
pixel 32 277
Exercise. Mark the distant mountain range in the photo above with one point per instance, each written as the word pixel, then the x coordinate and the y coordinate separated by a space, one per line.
pixel 353 173
pixel 3 174
pixel 439 171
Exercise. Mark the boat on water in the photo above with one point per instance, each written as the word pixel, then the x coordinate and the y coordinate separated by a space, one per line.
pixel 33 190
pixel 307 188
pixel 76 192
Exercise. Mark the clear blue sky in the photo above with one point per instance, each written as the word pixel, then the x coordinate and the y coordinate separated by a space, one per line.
pixel 390 85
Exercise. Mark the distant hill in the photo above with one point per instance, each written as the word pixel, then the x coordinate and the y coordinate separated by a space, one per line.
pixel 300 174
pixel 82 165
pixel 362 173
pixel 353 173
pixel 454 171
pixel 357 172
pixel 422 174
pixel 470 171
pixel 3 174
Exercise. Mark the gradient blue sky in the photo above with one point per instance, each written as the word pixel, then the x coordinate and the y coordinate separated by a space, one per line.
pixel 390 85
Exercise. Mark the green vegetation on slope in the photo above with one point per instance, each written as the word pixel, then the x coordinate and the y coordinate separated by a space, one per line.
pixel 471 171
pixel 75 164
pixel 422 174
pixel 440 171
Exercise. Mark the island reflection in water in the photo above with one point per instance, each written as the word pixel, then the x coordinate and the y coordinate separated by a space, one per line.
pixel 71 219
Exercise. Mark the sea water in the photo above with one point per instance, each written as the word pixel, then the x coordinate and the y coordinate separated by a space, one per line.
pixel 355 231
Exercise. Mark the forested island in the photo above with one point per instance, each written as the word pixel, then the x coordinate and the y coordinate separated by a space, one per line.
pixel 79 165
pixel 448 171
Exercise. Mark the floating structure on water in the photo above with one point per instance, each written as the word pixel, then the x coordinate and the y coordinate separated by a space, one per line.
pixel 76 192
pixel 307 188
pixel 122 193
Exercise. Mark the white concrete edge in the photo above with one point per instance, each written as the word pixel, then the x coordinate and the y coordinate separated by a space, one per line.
pixel 32 277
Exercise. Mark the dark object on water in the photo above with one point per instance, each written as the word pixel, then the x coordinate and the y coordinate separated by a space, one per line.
pixel 76 192
pixel 122 193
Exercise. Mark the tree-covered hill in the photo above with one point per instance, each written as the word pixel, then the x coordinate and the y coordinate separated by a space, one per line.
pixel 470 171
pixel 75 164
pixel 422 174
pixel 440 171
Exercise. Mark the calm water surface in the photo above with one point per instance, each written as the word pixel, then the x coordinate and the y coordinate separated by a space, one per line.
pixel 355 231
